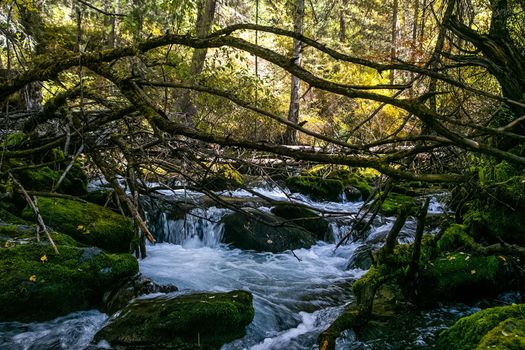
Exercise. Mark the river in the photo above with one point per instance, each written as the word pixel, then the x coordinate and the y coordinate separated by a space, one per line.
pixel 296 296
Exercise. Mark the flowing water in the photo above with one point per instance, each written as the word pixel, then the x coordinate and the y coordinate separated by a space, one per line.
pixel 296 296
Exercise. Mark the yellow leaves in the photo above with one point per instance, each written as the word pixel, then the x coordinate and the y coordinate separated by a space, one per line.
pixel 9 244
pixel 472 272
pixel 32 278
pixel 452 257
pixel 43 258
pixel 503 259
pixel 83 229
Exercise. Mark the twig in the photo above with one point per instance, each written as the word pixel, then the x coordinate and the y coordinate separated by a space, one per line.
pixel 34 207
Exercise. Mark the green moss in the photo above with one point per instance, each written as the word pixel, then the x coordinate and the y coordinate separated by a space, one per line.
pixel 14 139
pixel 45 178
pixel 39 284
pixel 305 218
pixel 373 276
pixel 88 223
pixel 358 179
pixel 224 177
pixel 7 216
pixel 508 335
pixel 394 201
pixel 316 187
pixel 470 332
pixel 213 318
pixel 460 276
pixel 455 238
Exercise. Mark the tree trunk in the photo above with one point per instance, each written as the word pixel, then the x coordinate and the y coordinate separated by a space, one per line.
pixel 186 102
pixel 290 135
pixel 393 42
pixel 342 20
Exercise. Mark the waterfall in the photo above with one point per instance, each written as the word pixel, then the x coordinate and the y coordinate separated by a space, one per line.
pixel 199 227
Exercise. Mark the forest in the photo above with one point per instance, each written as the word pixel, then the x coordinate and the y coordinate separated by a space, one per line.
pixel 262 174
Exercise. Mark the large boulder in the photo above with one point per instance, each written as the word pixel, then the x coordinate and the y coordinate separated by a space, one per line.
pixel 87 223
pixel 464 277
pixel 264 233
pixel 495 328
pixel 304 217
pixel 195 321
pixel 39 284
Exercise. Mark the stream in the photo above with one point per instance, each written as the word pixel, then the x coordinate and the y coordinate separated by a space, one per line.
pixel 295 296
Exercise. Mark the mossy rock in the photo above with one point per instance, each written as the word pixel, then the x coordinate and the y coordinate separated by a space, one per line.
pixel 462 277
pixel 264 233
pixel 354 181
pixel 211 319
pixel 495 328
pixel 455 238
pixel 88 223
pixel 45 178
pixel 305 218
pixel 225 177
pixel 317 188
pixel 38 284
pixel 394 201
pixel 508 335
pixel 8 216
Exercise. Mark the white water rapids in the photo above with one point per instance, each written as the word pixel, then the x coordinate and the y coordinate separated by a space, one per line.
pixel 295 297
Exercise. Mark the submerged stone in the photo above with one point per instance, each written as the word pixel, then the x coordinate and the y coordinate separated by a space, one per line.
pixel 88 223
pixel 117 298
pixel 264 233
pixel 195 321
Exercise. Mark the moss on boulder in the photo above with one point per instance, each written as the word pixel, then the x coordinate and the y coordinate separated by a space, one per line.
pixel 196 321
pixel 264 232
pixel 495 328
pixel 44 178
pixel 88 223
pixel 455 238
pixel 461 276
pixel 394 201
pixel 38 284
pixel 306 218
pixel 225 177
pixel 316 187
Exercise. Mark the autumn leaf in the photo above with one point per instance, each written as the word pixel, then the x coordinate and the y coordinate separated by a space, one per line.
pixel 472 272
pixel 32 278
pixel 43 258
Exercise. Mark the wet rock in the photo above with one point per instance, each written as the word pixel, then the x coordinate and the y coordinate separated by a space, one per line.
pixel 87 223
pixel 195 321
pixel 38 284
pixel 305 218
pixel 137 285
pixel 264 232
pixel 353 194
pixel 361 258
